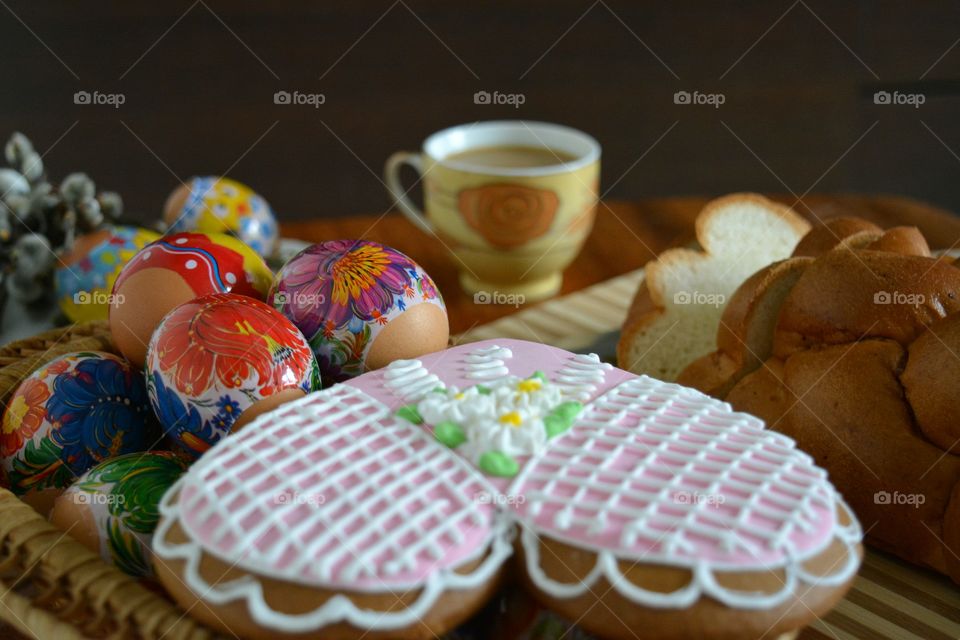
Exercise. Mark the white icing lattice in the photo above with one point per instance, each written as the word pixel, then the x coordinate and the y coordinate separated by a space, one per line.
pixel 658 473
pixel 333 491
pixel 410 380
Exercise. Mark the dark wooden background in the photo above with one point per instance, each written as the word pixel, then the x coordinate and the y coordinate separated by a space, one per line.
pixel 199 79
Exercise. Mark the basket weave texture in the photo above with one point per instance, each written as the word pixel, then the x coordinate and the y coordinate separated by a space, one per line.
pixel 50 585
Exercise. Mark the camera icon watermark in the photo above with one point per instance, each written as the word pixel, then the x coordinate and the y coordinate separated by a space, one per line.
pixel 512 99
pixel 88 498
pixel 699 298
pixel 299 299
pixel 97 98
pixel 299 98
pixel 698 98
pixel 899 98
pixel 497 297
pixel 98 297
pixel 895 498
pixel 899 298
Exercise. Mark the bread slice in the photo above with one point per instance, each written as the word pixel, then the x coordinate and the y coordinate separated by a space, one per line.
pixel 745 336
pixel 674 317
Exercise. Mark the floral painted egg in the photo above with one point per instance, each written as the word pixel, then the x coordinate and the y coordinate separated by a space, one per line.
pixel 113 507
pixel 85 276
pixel 225 206
pixel 218 361
pixel 67 416
pixel 173 270
pixel 361 305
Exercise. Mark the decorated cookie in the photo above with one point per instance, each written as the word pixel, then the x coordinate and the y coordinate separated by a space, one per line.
pixel 69 415
pixel 112 508
pixel 85 276
pixel 388 505
pixel 222 205
pixel 173 270
pixel 216 362
pixel 361 305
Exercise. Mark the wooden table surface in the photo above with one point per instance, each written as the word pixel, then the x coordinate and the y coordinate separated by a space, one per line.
pixel 625 237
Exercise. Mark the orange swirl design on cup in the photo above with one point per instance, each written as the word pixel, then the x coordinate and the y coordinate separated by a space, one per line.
pixel 508 215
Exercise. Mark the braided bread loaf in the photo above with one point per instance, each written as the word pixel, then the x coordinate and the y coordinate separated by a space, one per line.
pixel 852 348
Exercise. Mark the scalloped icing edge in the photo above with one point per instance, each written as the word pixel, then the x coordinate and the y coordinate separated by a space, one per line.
pixel 703 582
pixel 340 608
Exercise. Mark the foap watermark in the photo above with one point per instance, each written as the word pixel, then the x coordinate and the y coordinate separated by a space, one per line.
pixel 899 98
pixel 109 499
pixel 497 297
pixel 897 498
pixel 299 298
pixel 899 298
pixel 499 499
pixel 512 99
pixel 699 297
pixel 299 98
pixel 98 98
pixel 298 498
pixel 697 498
pixel 97 297
pixel 699 98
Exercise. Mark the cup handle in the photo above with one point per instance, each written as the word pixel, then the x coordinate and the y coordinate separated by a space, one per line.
pixel 391 174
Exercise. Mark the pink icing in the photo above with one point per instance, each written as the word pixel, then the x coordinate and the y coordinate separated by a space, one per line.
pixel 625 478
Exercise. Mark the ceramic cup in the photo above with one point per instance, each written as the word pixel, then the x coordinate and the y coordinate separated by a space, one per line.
pixel 512 229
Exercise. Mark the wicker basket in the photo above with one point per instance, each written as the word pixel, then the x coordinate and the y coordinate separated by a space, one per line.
pixel 50 585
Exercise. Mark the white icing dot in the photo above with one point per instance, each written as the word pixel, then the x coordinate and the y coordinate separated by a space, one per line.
pixel 146 255
pixel 191 264
pixel 181 241
pixel 231 278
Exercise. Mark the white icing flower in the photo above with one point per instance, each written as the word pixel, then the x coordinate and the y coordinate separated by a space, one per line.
pixel 506 417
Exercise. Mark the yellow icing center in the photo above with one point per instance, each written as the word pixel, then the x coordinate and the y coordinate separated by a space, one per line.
pixel 528 386
pixel 512 418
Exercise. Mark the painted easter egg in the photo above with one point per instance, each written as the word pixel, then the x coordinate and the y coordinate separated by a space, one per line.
pixel 86 274
pixel 218 361
pixel 173 270
pixel 225 206
pixel 361 305
pixel 113 507
pixel 67 416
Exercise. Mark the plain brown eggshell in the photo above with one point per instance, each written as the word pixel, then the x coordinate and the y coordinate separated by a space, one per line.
pixel 139 306
pixel 174 204
pixel 77 519
pixel 83 245
pixel 265 404
pixel 419 330
pixel 42 501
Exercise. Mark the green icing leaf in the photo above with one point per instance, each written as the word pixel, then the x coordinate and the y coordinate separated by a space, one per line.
pixel 450 434
pixel 410 414
pixel 497 463
pixel 539 375
pixel 561 418
pixel 439 390
pixel 482 390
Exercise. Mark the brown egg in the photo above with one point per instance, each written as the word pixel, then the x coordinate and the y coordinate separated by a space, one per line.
pixel 420 330
pixel 174 270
